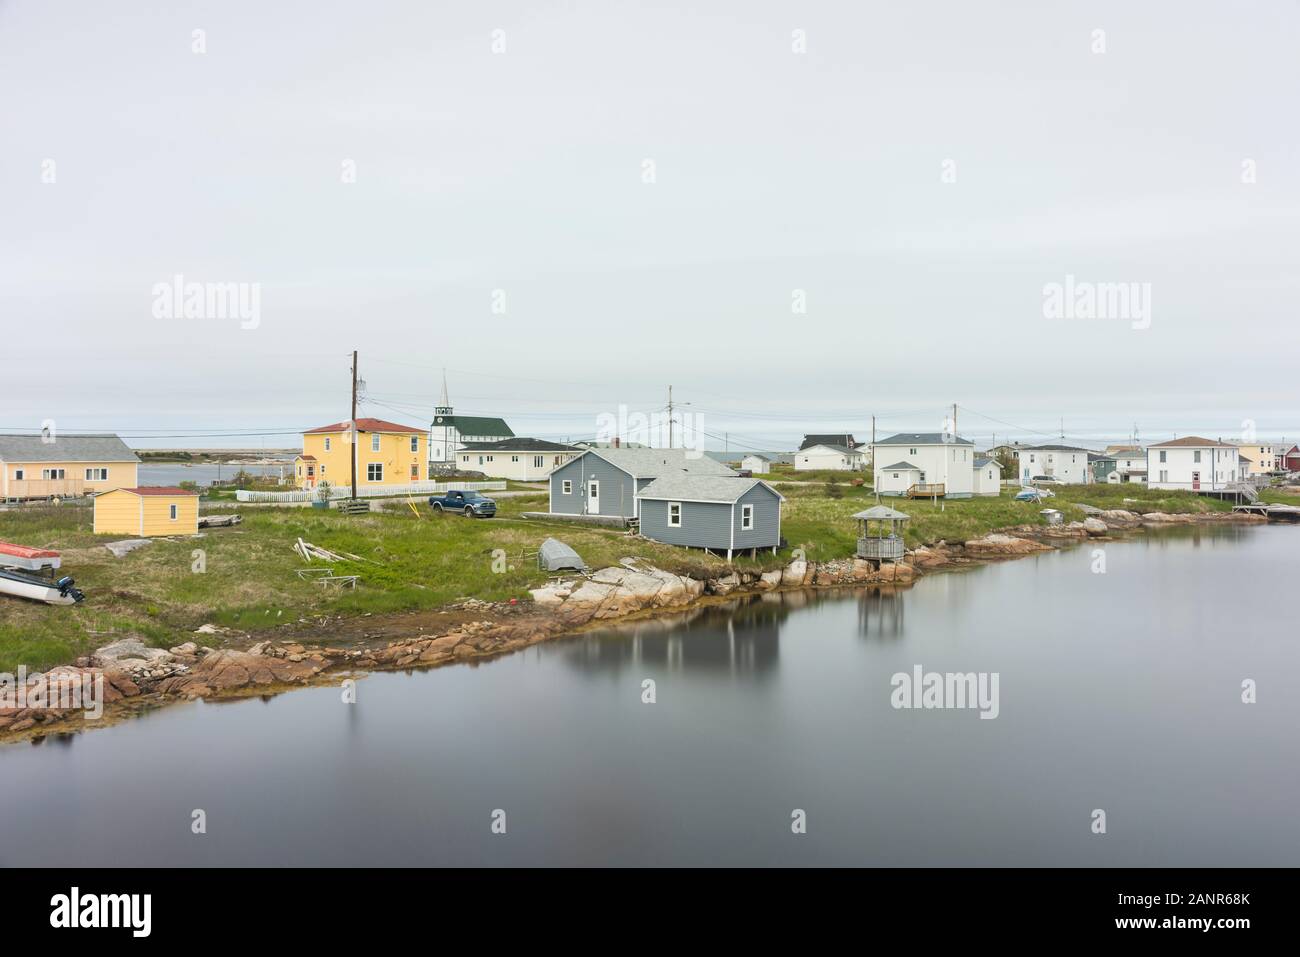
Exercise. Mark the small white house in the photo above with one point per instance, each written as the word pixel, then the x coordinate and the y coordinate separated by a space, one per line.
pixel 1193 463
pixel 1131 465
pixel 758 464
pixel 1065 463
pixel 521 459
pixel 987 479
pixel 835 457
pixel 925 458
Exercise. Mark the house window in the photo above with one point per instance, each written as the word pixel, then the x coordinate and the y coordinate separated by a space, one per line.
pixel 1196 456
pixel 746 517
pixel 1162 459
pixel 537 461
pixel 895 475
pixel 566 487
pixel 322 470
pixel 374 443
pixel 299 471
pixel 172 510
pixel 415 443
pixel 374 472
pixel 514 458
pixel 464 458
pixel 674 514
pixel 52 473
pixel 911 451
pixel 311 470
pixel 18 475
pixel 327 443
pixel 96 475
pixel 489 458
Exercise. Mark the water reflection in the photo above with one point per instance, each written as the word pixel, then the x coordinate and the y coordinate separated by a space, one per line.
pixel 880 612
pixel 741 636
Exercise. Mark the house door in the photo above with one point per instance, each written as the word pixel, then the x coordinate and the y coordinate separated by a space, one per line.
pixel 593 497
pixel 1196 481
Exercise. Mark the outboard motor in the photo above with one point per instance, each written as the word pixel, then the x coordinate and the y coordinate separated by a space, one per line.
pixel 66 586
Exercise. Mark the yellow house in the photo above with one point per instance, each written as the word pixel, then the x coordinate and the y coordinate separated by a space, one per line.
pixel 1261 456
pixel 387 454
pixel 53 464
pixel 147 511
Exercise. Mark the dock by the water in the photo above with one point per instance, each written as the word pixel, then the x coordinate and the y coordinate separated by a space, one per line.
pixel 1274 513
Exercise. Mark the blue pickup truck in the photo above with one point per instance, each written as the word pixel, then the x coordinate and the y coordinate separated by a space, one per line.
pixel 470 504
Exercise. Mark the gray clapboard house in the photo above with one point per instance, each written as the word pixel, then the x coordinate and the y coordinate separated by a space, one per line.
pixel 607 481
pixel 717 512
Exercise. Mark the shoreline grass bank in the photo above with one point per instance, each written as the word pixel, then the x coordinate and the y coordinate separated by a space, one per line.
pixel 416 561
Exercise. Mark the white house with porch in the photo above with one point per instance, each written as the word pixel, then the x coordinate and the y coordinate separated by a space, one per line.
pixel 1193 463
pixel 930 463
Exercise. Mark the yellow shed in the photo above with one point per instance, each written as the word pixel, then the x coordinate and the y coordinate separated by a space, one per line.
pixel 147 511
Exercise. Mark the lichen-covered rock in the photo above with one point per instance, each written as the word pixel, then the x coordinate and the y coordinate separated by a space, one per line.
pixel 995 545
pixel 793 575
pixel 226 671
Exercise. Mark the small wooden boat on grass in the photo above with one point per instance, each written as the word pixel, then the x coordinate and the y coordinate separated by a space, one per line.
pixel 61 591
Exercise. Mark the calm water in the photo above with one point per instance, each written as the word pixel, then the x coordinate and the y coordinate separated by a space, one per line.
pixel 204 474
pixel 1118 691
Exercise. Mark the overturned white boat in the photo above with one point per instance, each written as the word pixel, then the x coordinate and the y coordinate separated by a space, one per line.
pixel 25 559
pixel 62 591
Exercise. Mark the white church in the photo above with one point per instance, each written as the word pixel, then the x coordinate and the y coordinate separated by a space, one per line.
pixel 449 432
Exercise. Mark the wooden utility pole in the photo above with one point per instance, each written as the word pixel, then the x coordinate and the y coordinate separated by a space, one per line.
pixel 354 424
pixel 954 420
pixel 670 417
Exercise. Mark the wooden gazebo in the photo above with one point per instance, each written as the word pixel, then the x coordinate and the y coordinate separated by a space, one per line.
pixel 880 534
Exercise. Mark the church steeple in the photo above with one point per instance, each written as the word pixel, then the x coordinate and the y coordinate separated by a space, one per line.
pixel 444 405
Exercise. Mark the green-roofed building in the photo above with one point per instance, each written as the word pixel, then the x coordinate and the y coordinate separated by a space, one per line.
pixel 449 432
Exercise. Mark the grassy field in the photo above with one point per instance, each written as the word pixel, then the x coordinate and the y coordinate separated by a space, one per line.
pixel 417 562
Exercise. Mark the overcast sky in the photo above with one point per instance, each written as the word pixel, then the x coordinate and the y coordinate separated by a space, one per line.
pixel 919 171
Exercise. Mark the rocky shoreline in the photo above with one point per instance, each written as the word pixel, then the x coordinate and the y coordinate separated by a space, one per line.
pixel 136 677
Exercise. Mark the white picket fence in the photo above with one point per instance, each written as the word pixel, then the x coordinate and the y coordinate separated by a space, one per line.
pixel 376 491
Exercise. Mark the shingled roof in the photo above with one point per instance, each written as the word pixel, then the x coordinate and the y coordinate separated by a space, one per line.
pixel 702 488
pixel 1191 442
pixel 88 447
pixel 518 445
pixel 368 425
pixel 925 438
pixel 656 463
pixel 838 438
pixel 474 424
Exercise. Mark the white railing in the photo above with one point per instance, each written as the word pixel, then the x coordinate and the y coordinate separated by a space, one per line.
pixel 368 491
